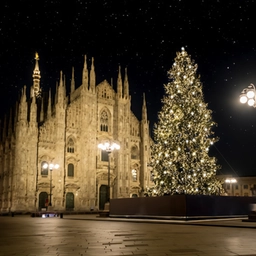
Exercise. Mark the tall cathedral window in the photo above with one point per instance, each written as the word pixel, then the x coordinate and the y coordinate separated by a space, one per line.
pixel 104 156
pixel 70 146
pixel 134 152
pixel 44 168
pixel 70 170
pixel 104 121
pixel 134 175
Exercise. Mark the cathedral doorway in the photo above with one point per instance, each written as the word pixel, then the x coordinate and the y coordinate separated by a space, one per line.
pixel 43 200
pixel 70 201
pixel 103 196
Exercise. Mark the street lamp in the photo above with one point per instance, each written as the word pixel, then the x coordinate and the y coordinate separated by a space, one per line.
pixel 248 95
pixel 51 167
pixel 108 147
pixel 231 181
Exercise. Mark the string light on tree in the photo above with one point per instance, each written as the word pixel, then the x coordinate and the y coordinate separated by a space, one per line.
pixel 183 136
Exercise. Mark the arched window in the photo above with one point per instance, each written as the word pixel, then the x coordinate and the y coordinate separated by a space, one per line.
pixel 134 175
pixel 44 168
pixel 70 146
pixel 134 152
pixel 104 121
pixel 70 170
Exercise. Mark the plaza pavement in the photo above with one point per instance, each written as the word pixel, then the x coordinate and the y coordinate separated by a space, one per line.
pixel 91 235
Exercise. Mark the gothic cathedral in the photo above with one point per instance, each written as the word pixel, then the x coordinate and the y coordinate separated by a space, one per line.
pixel 47 130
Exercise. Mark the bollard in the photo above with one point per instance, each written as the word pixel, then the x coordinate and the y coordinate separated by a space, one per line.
pixel 12 214
pixel 61 215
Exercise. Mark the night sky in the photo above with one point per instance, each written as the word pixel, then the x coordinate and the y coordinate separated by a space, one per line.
pixel 143 36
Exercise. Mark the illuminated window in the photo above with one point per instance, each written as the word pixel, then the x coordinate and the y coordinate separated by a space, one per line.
pixel 44 168
pixel 134 175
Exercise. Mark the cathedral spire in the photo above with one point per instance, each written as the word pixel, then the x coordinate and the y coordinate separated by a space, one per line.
pixel 22 115
pixel 126 85
pixel 119 84
pixel 41 111
pixel 92 77
pixel 61 79
pixel 23 95
pixel 73 80
pixel 144 109
pixel 64 86
pixel 85 74
pixel 36 79
pixel 61 90
pixel 49 108
pixel 33 112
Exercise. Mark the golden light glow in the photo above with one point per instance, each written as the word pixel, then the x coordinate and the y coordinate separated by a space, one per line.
pixel 181 159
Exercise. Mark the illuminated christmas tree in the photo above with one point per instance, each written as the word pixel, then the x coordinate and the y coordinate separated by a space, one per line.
pixel 180 156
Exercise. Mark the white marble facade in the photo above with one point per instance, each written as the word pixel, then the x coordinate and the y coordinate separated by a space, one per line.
pixel 66 128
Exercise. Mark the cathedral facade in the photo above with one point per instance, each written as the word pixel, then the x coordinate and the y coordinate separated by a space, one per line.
pixel 46 128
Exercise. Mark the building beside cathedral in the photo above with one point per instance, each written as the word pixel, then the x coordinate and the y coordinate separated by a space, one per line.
pixel 65 129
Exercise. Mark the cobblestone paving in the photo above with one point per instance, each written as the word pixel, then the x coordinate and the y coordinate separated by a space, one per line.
pixel 73 235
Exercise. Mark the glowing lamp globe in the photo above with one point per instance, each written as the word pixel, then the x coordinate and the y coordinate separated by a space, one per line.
pixel 250 94
pixel 243 99
pixel 251 102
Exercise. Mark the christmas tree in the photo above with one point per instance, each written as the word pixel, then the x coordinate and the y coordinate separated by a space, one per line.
pixel 183 136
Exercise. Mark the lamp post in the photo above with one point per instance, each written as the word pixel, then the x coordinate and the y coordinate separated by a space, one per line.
pixel 231 181
pixel 51 167
pixel 248 95
pixel 108 147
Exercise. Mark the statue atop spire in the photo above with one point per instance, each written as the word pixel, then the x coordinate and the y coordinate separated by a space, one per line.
pixel 36 56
